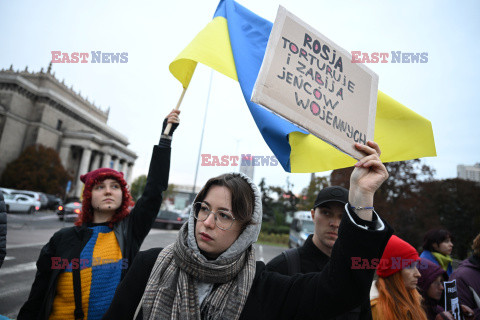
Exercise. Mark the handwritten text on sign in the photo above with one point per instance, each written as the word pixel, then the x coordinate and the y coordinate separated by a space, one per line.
pixel 309 80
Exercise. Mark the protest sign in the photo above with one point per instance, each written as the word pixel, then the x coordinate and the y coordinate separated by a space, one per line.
pixel 451 299
pixel 311 81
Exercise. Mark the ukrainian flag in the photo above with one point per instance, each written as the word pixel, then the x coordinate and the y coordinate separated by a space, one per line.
pixel 234 44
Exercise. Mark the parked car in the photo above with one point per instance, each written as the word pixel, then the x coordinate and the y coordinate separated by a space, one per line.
pixel 20 203
pixel 70 211
pixel 300 228
pixel 53 201
pixel 169 219
pixel 32 194
pixel 43 200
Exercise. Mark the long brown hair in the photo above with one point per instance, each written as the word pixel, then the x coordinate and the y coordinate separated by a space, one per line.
pixel 396 302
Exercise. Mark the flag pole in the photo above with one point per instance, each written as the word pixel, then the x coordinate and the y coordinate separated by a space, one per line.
pixel 203 130
pixel 169 125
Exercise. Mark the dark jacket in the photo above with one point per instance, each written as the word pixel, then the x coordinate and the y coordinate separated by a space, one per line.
pixel 69 242
pixel 3 229
pixel 313 259
pixel 429 273
pixel 468 275
pixel 319 295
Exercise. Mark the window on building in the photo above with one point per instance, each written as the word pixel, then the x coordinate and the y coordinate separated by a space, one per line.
pixel 59 124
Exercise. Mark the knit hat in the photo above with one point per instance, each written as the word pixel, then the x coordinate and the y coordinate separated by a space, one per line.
pixel 99 175
pixel 334 193
pixel 90 179
pixel 429 271
pixel 398 255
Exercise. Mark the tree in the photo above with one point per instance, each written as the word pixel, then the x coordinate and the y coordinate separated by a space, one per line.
pixel 454 205
pixel 38 168
pixel 138 185
pixel 309 194
pixel 399 198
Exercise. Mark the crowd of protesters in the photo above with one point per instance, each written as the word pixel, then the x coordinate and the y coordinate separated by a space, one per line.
pixel 94 270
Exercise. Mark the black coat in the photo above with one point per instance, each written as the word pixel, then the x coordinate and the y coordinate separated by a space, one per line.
pixel 3 229
pixel 313 259
pixel 69 242
pixel 320 295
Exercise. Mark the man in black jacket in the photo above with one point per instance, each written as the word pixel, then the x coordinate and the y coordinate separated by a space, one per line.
pixel 3 229
pixel 315 253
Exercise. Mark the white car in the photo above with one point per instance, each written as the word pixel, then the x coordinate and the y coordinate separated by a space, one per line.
pixel 20 203
pixel 35 196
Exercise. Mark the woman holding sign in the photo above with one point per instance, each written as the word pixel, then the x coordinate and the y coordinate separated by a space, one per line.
pixel 210 271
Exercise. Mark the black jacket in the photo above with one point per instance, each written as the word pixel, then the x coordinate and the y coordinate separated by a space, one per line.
pixel 313 259
pixel 3 229
pixel 69 242
pixel 320 295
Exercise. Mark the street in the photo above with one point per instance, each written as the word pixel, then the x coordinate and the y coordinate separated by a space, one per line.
pixel 27 234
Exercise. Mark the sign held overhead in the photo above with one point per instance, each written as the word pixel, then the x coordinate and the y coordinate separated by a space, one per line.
pixel 311 81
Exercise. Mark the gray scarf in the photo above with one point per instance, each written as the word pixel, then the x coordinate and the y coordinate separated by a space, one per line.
pixel 171 291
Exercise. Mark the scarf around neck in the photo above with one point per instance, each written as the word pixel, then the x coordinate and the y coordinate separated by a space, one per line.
pixel 442 259
pixel 171 291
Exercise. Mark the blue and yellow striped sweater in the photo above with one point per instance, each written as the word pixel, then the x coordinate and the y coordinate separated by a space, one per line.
pixel 101 268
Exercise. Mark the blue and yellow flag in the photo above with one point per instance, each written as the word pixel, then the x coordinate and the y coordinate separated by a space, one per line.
pixel 234 44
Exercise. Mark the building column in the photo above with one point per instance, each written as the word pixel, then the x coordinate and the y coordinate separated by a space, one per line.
pixel 106 160
pixel 98 165
pixel 95 156
pixel 86 154
pixel 115 163
pixel 129 173
pixel 122 166
pixel 64 154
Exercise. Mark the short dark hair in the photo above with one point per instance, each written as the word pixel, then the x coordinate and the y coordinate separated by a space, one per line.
pixel 435 236
pixel 243 198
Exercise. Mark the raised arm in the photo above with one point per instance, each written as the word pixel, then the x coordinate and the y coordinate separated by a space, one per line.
pixel 366 178
pixel 147 207
pixel 345 281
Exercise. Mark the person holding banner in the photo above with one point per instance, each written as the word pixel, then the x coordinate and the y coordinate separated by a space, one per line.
pixel 210 271
pixel 79 269
pixel 430 286
pixel 398 298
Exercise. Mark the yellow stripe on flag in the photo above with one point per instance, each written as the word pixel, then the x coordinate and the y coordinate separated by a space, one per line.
pixel 401 134
pixel 211 47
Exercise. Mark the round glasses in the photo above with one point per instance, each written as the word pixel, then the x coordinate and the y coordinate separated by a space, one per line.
pixel 223 219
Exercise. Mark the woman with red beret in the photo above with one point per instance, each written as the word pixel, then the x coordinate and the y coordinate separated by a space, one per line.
pixel 79 269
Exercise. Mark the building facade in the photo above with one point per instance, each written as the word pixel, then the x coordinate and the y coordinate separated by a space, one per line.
pixel 469 172
pixel 36 108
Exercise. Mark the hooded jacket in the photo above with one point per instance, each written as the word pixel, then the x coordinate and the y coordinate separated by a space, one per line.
pixel 321 295
pixel 467 276
pixel 429 272
pixel 69 242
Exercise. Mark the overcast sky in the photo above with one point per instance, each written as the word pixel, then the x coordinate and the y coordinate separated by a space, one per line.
pixel 141 92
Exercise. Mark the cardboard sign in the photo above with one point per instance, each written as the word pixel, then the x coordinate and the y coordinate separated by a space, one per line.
pixel 451 299
pixel 310 81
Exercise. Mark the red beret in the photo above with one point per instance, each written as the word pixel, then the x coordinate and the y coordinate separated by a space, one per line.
pixel 100 175
pixel 398 255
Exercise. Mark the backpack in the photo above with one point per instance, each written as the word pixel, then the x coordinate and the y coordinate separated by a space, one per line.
pixel 293 261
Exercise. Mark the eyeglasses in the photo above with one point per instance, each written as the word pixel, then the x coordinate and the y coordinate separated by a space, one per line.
pixel 223 218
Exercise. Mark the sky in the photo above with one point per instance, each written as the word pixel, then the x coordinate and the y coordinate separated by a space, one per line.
pixel 141 92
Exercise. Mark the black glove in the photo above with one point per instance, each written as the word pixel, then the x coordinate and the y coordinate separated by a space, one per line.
pixel 166 140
